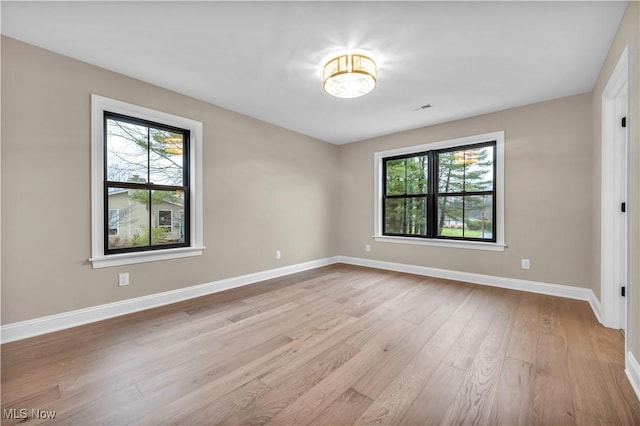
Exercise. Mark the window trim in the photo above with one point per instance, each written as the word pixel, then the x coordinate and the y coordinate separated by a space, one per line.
pixel 99 259
pixel 498 245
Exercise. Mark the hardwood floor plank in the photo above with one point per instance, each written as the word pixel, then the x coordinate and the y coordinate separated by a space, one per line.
pixel 524 336
pixel 196 328
pixel 345 410
pixel 372 383
pixel 286 388
pixel 609 350
pixel 165 387
pixel 553 400
pixel 264 306
pixel 361 302
pixel 467 345
pixel 435 398
pixel 324 364
pixel 199 369
pixel 475 398
pixel 550 315
pixel 272 322
pixel 371 324
pixel 45 374
pixel 211 410
pixel 391 405
pixel 432 294
pixel 319 397
pixel 513 403
pixel 478 298
pixel 587 376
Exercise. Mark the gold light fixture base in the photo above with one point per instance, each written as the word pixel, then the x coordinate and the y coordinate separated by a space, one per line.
pixel 349 75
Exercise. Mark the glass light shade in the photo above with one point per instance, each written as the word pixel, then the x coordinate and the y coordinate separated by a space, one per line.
pixel 349 76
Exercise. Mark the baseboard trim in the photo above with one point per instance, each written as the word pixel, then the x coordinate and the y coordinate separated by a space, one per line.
pixel 632 369
pixel 35 327
pixel 38 326
pixel 569 292
pixel 596 307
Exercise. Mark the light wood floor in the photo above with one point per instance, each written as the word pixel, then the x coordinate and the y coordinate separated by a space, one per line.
pixel 335 345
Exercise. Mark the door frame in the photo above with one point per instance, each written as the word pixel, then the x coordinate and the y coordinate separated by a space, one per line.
pixel 614 234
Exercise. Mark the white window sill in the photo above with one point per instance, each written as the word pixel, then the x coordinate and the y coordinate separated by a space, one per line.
pixel 471 245
pixel 145 256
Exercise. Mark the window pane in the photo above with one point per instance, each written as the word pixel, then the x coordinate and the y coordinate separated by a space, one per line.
pixel 126 151
pixel 165 157
pixel 479 169
pixel 466 169
pixel 167 212
pixel 416 216
pixel 470 216
pixel 417 174
pixel 450 172
pixel 478 216
pixel 406 216
pixel 450 217
pixel 396 173
pixel 132 219
pixel 394 216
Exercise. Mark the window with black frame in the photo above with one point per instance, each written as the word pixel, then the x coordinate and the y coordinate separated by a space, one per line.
pixel 146 185
pixel 445 194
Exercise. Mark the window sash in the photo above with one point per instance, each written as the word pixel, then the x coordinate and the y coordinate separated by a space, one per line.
pixel 147 186
pixel 433 193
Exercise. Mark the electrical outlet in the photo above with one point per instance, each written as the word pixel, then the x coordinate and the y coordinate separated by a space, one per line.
pixel 525 264
pixel 278 254
pixel 123 279
pixel 367 248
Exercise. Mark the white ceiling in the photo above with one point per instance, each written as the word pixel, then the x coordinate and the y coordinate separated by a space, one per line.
pixel 264 59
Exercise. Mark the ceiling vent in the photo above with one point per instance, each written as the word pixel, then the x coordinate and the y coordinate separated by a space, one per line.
pixel 421 107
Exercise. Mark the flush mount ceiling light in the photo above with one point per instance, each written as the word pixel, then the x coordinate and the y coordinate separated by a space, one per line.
pixel 349 75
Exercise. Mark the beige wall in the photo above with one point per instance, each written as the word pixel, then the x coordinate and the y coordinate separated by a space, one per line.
pixel 265 187
pixel 547 194
pixel 628 33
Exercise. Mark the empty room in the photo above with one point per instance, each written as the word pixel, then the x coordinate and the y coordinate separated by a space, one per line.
pixel 331 213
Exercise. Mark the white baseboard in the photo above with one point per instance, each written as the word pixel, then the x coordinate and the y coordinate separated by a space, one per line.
pixel 566 291
pixel 51 323
pixel 596 307
pixel 35 327
pixel 632 368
